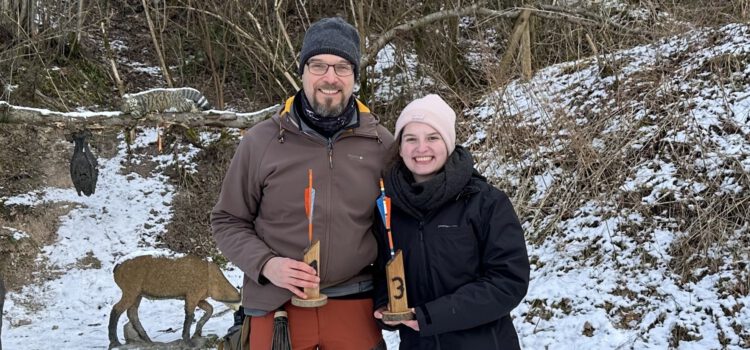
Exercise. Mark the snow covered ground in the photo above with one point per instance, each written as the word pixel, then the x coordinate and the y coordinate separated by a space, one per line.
pixel 601 275
pixel 123 216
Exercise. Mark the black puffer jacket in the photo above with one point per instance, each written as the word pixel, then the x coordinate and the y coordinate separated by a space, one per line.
pixel 466 269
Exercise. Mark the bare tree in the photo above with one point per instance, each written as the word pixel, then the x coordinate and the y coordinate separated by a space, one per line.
pixel 80 17
pixel 17 17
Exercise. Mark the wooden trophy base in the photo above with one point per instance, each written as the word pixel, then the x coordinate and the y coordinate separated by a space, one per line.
pixel 321 300
pixel 389 316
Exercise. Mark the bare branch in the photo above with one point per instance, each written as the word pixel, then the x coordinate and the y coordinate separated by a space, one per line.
pixel 526 51
pixel 157 46
pixel 572 15
pixel 289 42
pixel 219 119
pixel 283 28
pixel 260 46
pixel 386 37
pixel 584 17
pixel 111 57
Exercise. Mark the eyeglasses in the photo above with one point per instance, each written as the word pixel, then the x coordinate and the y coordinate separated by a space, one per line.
pixel 320 68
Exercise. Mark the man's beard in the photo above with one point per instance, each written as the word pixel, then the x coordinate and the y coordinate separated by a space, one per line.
pixel 327 108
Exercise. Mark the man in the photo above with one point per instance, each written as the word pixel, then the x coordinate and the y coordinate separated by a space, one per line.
pixel 260 224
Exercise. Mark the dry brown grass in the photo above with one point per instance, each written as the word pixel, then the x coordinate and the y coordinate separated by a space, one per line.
pixel 707 13
pixel 711 224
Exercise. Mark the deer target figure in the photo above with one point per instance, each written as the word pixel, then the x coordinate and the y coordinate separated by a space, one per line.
pixel 161 277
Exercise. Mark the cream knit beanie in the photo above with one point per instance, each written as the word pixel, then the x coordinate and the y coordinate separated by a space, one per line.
pixel 433 111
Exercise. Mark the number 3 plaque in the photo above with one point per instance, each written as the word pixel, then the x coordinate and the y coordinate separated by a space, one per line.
pixel 398 307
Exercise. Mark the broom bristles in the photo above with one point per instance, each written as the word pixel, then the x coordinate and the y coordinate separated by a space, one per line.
pixel 281 338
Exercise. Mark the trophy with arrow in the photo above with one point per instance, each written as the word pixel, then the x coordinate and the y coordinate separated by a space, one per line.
pixel 398 307
pixel 312 252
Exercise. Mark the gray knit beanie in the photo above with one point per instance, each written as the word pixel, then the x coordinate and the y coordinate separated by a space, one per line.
pixel 331 36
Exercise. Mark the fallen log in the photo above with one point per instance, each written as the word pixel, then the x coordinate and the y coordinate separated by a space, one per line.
pixel 97 120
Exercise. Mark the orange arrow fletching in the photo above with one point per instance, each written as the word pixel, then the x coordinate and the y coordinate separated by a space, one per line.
pixel 308 194
pixel 307 202
pixel 388 213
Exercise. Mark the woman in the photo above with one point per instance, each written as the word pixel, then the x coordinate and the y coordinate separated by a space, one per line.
pixel 465 258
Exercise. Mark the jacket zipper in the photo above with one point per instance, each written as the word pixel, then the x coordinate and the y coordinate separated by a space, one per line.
pixel 328 210
pixel 330 153
pixel 329 146
pixel 494 337
pixel 426 260
pixel 426 263
pixel 329 141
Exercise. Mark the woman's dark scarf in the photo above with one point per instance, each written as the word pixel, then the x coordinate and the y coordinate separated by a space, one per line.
pixel 418 199
pixel 326 126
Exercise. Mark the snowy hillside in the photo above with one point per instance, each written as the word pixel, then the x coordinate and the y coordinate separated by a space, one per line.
pixel 632 170
pixel 616 164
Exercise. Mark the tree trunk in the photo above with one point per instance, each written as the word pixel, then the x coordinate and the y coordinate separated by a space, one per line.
pixel 79 30
pixel 17 17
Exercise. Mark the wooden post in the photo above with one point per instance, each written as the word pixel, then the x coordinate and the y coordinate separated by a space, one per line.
pixel 526 51
pixel 513 42
pixel 398 306
pixel 314 298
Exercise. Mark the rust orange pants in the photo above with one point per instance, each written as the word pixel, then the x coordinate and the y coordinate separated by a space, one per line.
pixel 338 325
